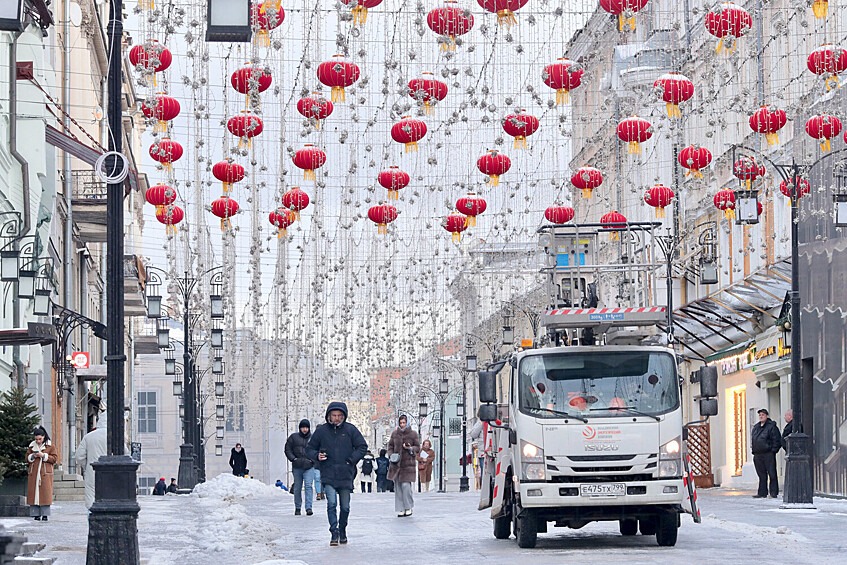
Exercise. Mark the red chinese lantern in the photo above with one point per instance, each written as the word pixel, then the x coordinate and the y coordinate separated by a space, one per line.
pixel 309 158
pixel 296 200
pixel 315 108
pixel 746 169
pixel 823 128
pixel 615 222
pixel 505 10
pixel 164 109
pixel 564 75
pixel 494 164
pixel 820 8
pixel 225 208
pixel 520 126
pixel 674 88
pixel 587 179
pixel 768 120
pixel 728 22
pixel 170 216
pixel 229 173
pixel 694 158
pixel 250 80
pixel 828 60
pixel 382 215
pixel 166 151
pixel 264 20
pixel 360 10
pixel 634 131
pixel 659 197
pixel 787 188
pixel 427 90
pixel 408 131
pixel 393 180
pixel 558 214
pixel 455 224
pixel 245 127
pixel 449 21
pixel 625 10
pixel 725 200
pixel 338 73
pixel 471 206
pixel 160 195
pixel 150 58
pixel 281 219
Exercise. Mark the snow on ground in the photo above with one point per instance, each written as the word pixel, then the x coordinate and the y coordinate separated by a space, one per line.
pixel 230 487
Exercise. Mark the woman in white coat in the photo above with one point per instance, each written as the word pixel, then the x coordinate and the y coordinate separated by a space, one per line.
pixel 91 448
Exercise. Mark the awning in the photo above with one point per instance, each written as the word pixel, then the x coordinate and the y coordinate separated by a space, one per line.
pixel 85 153
pixel 729 351
pixel 34 334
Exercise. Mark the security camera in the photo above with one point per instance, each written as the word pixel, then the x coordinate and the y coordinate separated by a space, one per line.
pixel 84 250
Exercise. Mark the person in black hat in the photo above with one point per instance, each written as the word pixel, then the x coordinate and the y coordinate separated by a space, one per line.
pixel 302 467
pixel 766 442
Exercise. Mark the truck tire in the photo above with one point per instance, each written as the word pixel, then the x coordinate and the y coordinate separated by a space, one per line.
pixel 628 527
pixel 667 529
pixel 648 526
pixel 526 530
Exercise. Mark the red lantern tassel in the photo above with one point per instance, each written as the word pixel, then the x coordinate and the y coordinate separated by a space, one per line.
pixel 494 180
pixel 457 237
pixel 411 146
pixel 281 232
pixel 563 96
pixel 826 146
pixel 729 213
pixel 470 221
pixel 428 108
pixel 227 187
pixel 520 142
pixel 297 215
pixel 392 195
pixel 587 192
pixel 316 123
pixel 161 126
pixel 147 4
pixel 831 82
pixel 160 209
pixel 625 22
pixel 262 38
pixel 382 229
pixel 309 174
pixel 170 229
pixel 338 94
pixel 449 44
pixel 360 15
pixel 673 110
pixel 506 18
pixel 660 213
pixel 633 148
pixel 615 236
pixel 772 138
pixel 726 45
pixel 820 8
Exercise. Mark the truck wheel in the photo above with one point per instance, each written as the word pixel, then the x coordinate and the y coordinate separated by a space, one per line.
pixel 526 530
pixel 667 529
pixel 647 527
pixel 503 527
pixel 628 527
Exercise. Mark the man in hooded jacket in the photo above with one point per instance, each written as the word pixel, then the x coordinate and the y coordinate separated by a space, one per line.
pixel 337 447
pixel 301 466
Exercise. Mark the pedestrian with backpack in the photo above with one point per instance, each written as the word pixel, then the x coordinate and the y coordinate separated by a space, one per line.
pixel 381 472
pixel 367 467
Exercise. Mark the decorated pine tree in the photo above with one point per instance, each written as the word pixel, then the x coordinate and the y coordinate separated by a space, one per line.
pixel 18 417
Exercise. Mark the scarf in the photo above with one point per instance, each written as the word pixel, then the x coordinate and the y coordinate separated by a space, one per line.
pixel 37 450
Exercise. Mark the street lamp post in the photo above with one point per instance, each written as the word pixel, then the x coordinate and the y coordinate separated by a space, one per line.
pixel 423 409
pixel 470 367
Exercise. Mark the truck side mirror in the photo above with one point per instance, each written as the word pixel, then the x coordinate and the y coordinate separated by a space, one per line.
pixel 708 381
pixel 708 407
pixel 487 412
pixel 487 386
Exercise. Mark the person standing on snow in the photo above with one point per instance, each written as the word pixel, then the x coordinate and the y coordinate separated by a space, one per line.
pixel 766 442
pixel 238 461
pixel 337 446
pixel 41 456
pixel 367 467
pixel 382 472
pixel 404 442
pixel 301 466
pixel 91 448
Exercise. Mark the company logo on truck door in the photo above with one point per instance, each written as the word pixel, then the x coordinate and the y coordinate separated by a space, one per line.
pixel 601 438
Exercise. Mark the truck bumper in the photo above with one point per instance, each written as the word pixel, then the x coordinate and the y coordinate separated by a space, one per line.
pixel 665 492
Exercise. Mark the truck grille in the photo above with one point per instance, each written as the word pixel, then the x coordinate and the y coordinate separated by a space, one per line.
pixel 600 479
pixel 609 466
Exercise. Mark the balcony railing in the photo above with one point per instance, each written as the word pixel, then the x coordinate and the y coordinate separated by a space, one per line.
pixel 86 186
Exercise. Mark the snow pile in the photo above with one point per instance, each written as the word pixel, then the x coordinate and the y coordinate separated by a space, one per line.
pixel 229 488
pixel 231 527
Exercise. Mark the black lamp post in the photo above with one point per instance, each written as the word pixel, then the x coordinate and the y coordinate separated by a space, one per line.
pixel 470 367
pixel 113 518
pixel 443 391
pixel 423 409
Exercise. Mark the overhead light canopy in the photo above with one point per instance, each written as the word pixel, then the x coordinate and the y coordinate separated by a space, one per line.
pixel 220 411
pixel 219 389
pixel 217 365
pixel 8 265
pixel 41 304
pixel 217 338
pixel 470 363
pixel 219 432
pixel 163 337
pixel 217 306
pixel 228 21
pixel 747 207
pixel 423 409
pixel 26 283
pixel 170 366
pixel 154 306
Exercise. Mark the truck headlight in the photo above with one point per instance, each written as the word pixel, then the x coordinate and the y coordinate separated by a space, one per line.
pixel 533 471
pixel 532 462
pixel 671 449
pixel 670 462
pixel 669 468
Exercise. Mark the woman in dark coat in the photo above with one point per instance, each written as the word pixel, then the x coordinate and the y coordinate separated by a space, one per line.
pixel 426 458
pixel 238 461
pixel 405 443
pixel 40 457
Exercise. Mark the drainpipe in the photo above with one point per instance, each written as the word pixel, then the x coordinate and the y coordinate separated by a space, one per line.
pixel 13 149
pixel 70 255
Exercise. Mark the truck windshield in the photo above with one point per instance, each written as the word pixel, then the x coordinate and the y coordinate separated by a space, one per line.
pixel 598 384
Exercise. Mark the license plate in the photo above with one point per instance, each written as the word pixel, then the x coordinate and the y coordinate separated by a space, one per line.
pixel 603 489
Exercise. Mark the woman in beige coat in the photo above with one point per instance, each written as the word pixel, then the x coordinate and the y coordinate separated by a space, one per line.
pixel 426 458
pixel 40 456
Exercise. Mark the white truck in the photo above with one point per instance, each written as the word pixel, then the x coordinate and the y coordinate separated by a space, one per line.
pixel 587 433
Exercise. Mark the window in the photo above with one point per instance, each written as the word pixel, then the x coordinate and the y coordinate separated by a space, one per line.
pixel 146 484
pixel 454 427
pixel 235 413
pixel 147 412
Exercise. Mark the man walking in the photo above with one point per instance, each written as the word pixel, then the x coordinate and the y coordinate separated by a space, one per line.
pixel 337 447
pixel 766 443
pixel 91 448
pixel 301 466
pixel 238 461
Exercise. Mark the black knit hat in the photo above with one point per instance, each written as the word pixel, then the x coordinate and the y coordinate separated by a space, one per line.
pixel 304 423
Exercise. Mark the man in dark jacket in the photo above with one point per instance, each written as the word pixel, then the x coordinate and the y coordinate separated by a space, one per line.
pixel 160 487
pixel 301 466
pixel 238 461
pixel 337 447
pixel 766 443
pixel 789 427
